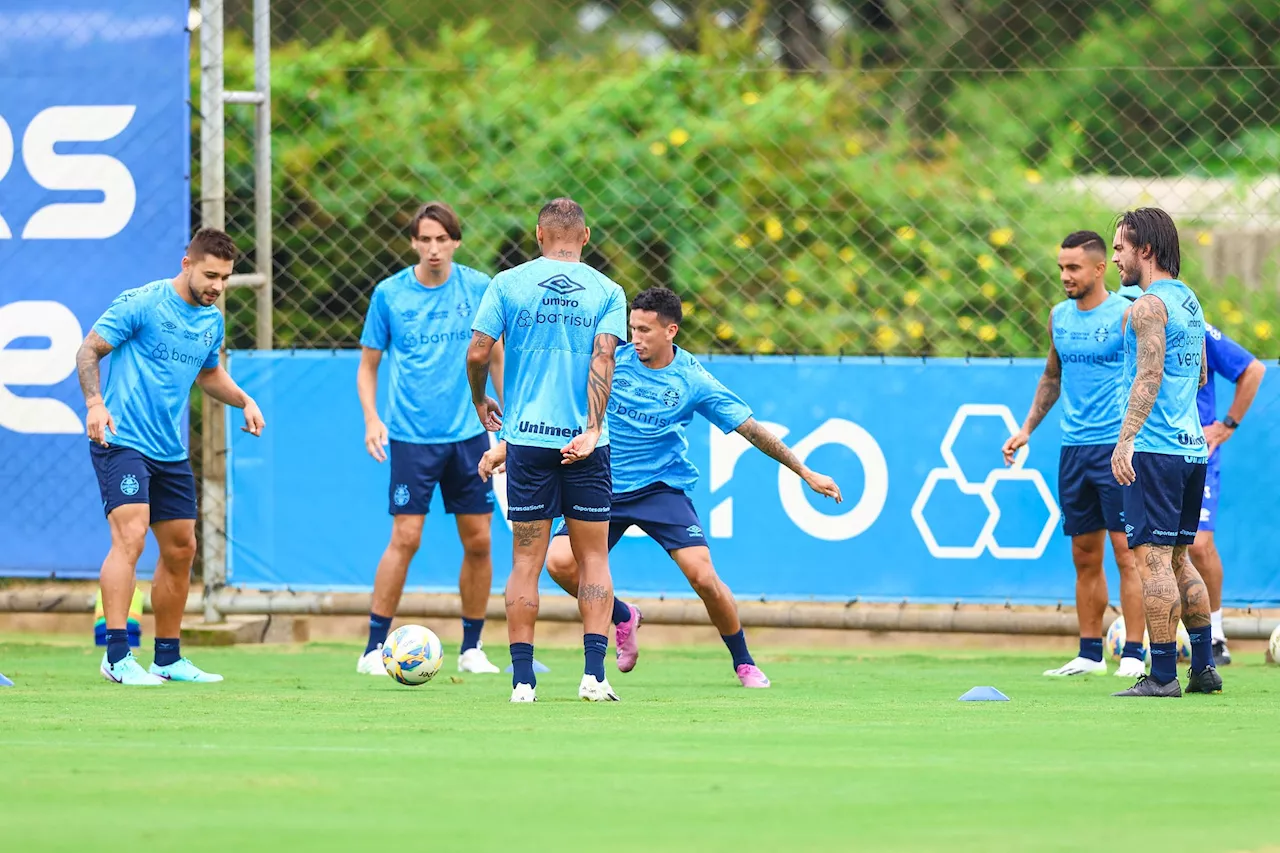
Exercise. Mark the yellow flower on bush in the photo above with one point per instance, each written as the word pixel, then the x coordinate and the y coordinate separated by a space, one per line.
pixel 881 314
pixel 987 333
pixel 915 329
pixel 910 298
pixel 743 241
pixel 1001 237
pixel 1019 273
pixel 750 98
pixel 944 275
pixel 847 254
pixel 886 337
pixel 773 228
pixel 1235 318
pixel 766 346
pixel 724 331
pixel 986 195
pixel 657 149
pixel 678 137
pixel 965 323
pixel 986 263
pixel 687 308
pixel 1262 330
pixel 906 232
pixel 794 297
pixel 800 224
pixel 988 290
pixel 1033 177
pixel 852 147
pixel 792 275
pixel 751 311
pixel 1205 238
pixel 1225 306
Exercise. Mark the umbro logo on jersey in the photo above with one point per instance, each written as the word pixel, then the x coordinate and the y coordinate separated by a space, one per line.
pixel 561 285
pixel 169 328
pixel 1190 305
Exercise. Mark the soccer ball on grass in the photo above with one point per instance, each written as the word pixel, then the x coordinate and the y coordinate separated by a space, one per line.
pixel 1273 649
pixel 1116 635
pixel 412 655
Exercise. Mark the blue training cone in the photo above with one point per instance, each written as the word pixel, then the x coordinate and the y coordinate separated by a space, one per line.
pixel 537 667
pixel 4 682
pixel 984 694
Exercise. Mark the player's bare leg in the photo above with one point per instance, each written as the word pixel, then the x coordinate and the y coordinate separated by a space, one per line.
pixel 1196 611
pixel 1204 556
pixel 563 569
pixel 1162 604
pixel 475 580
pixel 1087 552
pixel 388 586
pixel 590 543
pixel 698 569
pixel 177 540
pixel 529 550
pixel 128 524
pixel 1131 606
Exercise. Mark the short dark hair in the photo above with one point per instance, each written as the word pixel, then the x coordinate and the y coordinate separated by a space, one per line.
pixel 1151 226
pixel 661 301
pixel 437 211
pixel 1090 241
pixel 563 215
pixel 211 241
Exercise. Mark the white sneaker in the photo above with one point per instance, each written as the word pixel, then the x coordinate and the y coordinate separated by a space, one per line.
pixel 475 660
pixel 1079 666
pixel 1131 668
pixel 371 663
pixel 524 693
pixel 591 690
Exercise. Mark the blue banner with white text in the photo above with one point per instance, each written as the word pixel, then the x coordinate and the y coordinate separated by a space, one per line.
pixel 931 513
pixel 94 199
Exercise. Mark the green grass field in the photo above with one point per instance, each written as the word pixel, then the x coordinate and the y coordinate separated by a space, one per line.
pixel 846 752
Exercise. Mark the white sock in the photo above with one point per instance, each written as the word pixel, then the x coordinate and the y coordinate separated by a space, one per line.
pixel 1216 619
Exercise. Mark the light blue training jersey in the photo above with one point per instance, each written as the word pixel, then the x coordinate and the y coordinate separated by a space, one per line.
pixel 648 412
pixel 549 313
pixel 1173 427
pixel 1090 346
pixel 425 332
pixel 161 343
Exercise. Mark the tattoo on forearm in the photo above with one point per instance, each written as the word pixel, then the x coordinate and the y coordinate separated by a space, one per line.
pixel 526 532
pixel 1162 600
pixel 88 358
pixel 600 379
pixel 1194 593
pixel 1047 391
pixel 478 355
pixel 770 445
pixel 1148 317
pixel 1204 366
pixel 594 592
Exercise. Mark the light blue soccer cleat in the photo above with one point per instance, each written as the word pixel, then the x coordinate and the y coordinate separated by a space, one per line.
pixel 129 672
pixel 184 670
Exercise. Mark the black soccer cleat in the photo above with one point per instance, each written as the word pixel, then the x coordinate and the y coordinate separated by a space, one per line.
pixel 1221 655
pixel 1148 687
pixel 1206 680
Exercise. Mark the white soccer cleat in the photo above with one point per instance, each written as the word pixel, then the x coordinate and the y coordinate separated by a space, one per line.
pixel 475 660
pixel 371 663
pixel 1079 666
pixel 524 693
pixel 591 690
pixel 1131 668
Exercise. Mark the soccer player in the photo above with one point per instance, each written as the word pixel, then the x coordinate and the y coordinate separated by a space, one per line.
pixel 658 388
pixel 562 321
pixel 1240 367
pixel 1161 455
pixel 1085 366
pixel 162 337
pixel 421 317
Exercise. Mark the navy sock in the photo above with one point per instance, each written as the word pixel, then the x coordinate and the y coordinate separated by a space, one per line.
pixel 593 647
pixel 1164 662
pixel 621 612
pixel 737 644
pixel 471 629
pixel 166 651
pixel 1134 650
pixel 378 628
pixel 117 644
pixel 1091 648
pixel 522 665
pixel 1201 647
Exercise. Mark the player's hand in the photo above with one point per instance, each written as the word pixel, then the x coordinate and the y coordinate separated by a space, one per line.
pixel 582 446
pixel 490 413
pixel 253 421
pixel 1122 463
pixel 823 485
pixel 375 439
pixel 1216 434
pixel 1016 442
pixel 97 422
pixel 493 462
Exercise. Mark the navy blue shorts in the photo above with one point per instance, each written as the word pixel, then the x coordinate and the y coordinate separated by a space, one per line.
pixel 540 487
pixel 417 468
pixel 1209 504
pixel 665 514
pixel 1090 497
pixel 125 476
pixel 1162 507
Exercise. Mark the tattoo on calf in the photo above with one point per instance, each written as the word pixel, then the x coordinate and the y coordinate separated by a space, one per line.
pixel 594 592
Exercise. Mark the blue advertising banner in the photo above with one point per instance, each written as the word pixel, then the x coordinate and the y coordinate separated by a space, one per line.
pixel 94 199
pixel 931 513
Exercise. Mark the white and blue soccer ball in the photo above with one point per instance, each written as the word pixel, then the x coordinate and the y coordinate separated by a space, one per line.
pixel 412 654
pixel 1114 643
pixel 1275 645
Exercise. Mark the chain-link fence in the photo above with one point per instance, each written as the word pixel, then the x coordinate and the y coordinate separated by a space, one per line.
pixel 859 177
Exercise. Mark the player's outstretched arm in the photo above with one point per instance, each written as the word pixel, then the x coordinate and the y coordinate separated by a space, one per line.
pixel 1047 391
pixel 479 356
pixel 772 446
pixel 218 384
pixel 1147 317
pixel 599 385
pixel 98 420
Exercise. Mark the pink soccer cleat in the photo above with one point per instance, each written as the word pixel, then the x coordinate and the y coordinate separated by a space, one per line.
pixel 624 638
pixel 751 676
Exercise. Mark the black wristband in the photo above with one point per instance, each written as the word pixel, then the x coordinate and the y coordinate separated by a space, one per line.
pixel 1230 422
